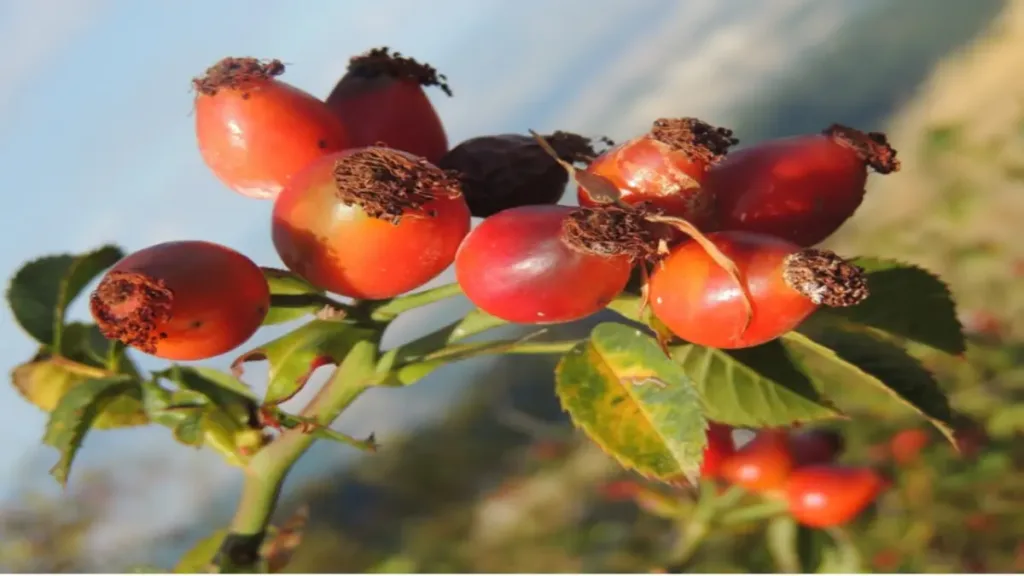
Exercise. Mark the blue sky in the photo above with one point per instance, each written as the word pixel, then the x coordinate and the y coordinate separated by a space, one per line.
pixel 97 142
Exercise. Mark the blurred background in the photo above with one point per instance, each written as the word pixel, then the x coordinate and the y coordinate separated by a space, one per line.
pixel 479 471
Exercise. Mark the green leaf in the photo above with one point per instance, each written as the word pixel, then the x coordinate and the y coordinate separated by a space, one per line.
pixel 878 363
pixel 48 379
pixel 291 297
pixel 842 556
pixel 755 387
pixel 907 302
pixel 634 402
pixel 189 428
pixel 295 356
pixel 41 290
pixel 796 549
pixel 223 390
pixel 76 412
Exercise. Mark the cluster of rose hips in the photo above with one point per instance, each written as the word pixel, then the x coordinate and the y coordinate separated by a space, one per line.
pixel 370 203
pixel 797 466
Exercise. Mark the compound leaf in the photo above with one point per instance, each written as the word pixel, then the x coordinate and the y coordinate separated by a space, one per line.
pixel 47 379
pixel 41 290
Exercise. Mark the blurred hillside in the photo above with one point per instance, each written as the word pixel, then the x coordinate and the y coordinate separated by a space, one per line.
pixel 940 77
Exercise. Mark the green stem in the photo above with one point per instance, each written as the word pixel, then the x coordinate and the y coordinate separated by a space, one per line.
pixel 306 300
pixel 753 513
pixel 267 470
pixel 389 309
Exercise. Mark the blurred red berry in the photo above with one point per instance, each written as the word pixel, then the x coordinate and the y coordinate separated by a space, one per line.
pixel 906 445
pixel 761 465
pixel 829 495
pixel 720 446
pixel 815 446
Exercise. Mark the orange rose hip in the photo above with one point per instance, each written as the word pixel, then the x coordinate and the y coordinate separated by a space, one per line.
pixel 185 300
pixel 255 131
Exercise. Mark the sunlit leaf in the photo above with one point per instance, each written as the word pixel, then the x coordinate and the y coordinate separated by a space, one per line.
pixel 42 289
pixel 634 402
pixel 76 412
pixel 46 380
pixel 291 297
pixel 880 365
pixel 755 387
pixel 222 389
pixel 908 302
pixel 295 356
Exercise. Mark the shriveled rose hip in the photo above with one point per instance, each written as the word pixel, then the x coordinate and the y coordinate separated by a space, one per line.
pixel 801 188
pixel 255 131
pixel 370 223
pixel 509 170
pixel 381 101
pixel 699 302
pixel 665 168
pixel 185 300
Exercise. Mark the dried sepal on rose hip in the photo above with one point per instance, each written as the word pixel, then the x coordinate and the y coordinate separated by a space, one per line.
pixel 255 131
pixel 370 223
pixel 698 301
pixel 508 170
pixel 186 300
pixel 381 101
pixel 547 264
pixel 665 227
pixel 801 188
pixel 665 167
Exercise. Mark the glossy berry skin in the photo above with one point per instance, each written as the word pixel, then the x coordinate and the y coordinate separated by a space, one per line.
pixel 815 446
pixel 761 465
pixel 646 170
pixel 337 246
pixel 516 265
pixel 720 447
pixel 256 132
pixel 390 107
pixel 824 495
pixel 699 302
pixel 801 189
pixel 187 300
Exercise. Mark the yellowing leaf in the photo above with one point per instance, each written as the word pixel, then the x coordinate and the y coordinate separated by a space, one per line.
pixel 45 381
pixel 634 402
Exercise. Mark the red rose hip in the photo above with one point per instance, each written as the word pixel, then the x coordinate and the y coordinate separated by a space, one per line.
pixel 382 103
pixel 720 447
pixel 761 465
pixel 538 265
pixel 802 188
pixel 828 495
pixel 701 303
pixel 665 168
pixel 187 300
pixel 255 131
pixel 370 223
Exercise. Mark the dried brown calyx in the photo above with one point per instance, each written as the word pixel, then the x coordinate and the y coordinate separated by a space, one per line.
pixel 825 278
pixel 383 62
pixel 509 170
pixel 611 231
pixel 872 147
pixel 388 184
pixel 234 73
pixel 697 139
pixel 131 307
